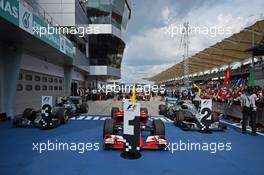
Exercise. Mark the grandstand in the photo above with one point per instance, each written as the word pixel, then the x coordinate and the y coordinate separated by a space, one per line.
pixel 240 47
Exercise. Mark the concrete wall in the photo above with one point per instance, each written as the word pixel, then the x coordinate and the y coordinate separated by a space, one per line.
pixel 29 91
pixel 25 77
pixel 36 64
pixel 37 78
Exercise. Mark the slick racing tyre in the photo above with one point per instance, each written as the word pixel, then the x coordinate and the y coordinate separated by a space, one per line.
pixel 114 110
pixel 84 108
pixel 179 118
pixel 29 114
pixel 159 128
pixel 144 110
pixel 162 109
pixel 109 127
pixel 63 115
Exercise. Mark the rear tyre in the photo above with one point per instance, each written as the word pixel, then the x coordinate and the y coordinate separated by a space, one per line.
pixel 29 114
pixel 159 128
pixel 215 118
pixel 63 115
pixel 222 126
pixel 144 110
pixel 179 118
pixel 162 109
pixel 114 110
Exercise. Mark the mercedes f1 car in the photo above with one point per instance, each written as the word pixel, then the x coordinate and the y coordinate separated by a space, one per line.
pixel 152 132
pixel 165 109
pixel 188 116
pixel 66 108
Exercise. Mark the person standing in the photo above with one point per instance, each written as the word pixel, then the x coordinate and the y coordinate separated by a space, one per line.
pixel 253 115
pixel 247 106
pixel 244 102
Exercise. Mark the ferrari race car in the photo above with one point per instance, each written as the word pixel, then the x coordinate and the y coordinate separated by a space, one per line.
pixel 66 108
pixel 152 132
pixel 165 109
pixel 142 97
pixel 121 96
pixel 188 116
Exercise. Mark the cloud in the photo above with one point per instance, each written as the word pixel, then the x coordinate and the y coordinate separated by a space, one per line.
pixel 166 13
pixel 150 50
pixel 141 71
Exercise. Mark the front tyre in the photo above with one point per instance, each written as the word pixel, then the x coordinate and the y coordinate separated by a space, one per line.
pixel 109 129
pixel 63 115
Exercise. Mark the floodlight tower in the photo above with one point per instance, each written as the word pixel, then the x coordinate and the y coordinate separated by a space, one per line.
pixel 186 52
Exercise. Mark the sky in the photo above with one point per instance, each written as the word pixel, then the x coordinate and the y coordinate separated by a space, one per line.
pixel 150 47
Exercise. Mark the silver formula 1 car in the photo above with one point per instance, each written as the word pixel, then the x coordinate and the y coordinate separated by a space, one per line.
pixel 187 115
pixel 66 108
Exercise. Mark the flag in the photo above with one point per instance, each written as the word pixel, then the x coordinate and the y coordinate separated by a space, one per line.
pixel 227 76
pixel 252 77
pixel 133 98
pixel 199 89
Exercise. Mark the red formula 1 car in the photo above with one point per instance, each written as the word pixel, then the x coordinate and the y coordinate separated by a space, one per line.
pixel 152 132
pixel 143 97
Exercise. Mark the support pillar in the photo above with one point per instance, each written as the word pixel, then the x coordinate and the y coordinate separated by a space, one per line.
pixel 1 81
pixel 10 66
pixel 68 72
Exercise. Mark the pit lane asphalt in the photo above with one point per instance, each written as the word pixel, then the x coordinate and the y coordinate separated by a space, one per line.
pixel 104 107
pixel 17 157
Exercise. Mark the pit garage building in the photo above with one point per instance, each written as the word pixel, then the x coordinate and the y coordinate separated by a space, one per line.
pixel 32 65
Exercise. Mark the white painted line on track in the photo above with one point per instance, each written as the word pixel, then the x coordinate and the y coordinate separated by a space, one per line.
pixel 81 117
pixel 104 118
pixel 88 118
pixel 237 125
pixel 96 118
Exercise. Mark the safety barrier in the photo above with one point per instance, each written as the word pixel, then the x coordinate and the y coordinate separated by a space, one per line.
pixel 235 111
